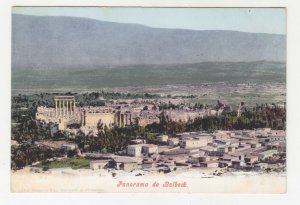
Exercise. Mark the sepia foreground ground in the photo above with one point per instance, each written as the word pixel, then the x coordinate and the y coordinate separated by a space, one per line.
pixel 191 181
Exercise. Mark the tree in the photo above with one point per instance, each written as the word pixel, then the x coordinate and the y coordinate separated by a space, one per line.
pixel 71 153
pixel 80 139
pixel 13 165
pixel 20 159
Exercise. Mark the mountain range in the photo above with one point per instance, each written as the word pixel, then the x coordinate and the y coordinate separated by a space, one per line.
pixel 72 43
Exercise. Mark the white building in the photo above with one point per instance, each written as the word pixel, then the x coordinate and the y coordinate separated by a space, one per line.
pixel 162 138
pixel 173 141
pixel 231 142
pixel 207 138
pixel 266 154
pixel 210 164
pixel 194 143
pixel 68 146
pixel 98 164
pixel 149 149
pixel 138 141
pixel 134 150
pixel 195 140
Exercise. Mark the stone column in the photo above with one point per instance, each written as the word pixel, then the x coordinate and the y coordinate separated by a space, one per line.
pixel 60 107
pixel 122 120
pixel 71 108
pixel 55 108
pixel 67 108
pixel 64 108
pixel 74 107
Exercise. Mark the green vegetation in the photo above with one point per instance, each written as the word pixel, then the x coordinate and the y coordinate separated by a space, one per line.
pixel 26 131
pixel 149 75
pixel 260 116
pixel 26 154
pixel 74 163
pixel 117 139
pixel 111 140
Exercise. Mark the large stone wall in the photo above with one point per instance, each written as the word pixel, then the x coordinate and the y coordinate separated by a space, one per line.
pixel 92 119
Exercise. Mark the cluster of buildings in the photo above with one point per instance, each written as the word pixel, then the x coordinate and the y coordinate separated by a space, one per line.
pixel 238 149
pixel 66 114
pixel 241 149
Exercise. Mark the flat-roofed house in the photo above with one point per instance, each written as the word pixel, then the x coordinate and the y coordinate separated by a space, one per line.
pixel 280 146
pixel 277 138
pixel 188 144
pixel 173 141
pixel 204 158
pixel 254 144
pixel 195 142
pixel 239 155
pixel 147 165
pixel 134 150
pixel 243 146
pixel 222 135
pixel 210 164
pixel 231 150
pixel 98 164
pixel 266 154
pixel 206 137
pixel 138 141
pixel 69 146
pixel 225 164
pixel 224 149
pixel 162 138
pixel 124 163
pixel 228 158
pixel 251 159
pixel 231 142
pixel 209 150
pixel 193 160
pixel 149 149
pixel 237 164
pixel 175 151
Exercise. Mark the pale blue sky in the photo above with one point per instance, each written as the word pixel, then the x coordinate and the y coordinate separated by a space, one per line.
pixel 254 20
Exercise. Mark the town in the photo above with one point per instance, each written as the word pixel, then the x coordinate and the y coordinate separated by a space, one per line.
pixel 252 150
pixel 174 149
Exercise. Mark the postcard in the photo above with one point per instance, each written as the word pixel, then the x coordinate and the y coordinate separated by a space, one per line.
pixel 148 100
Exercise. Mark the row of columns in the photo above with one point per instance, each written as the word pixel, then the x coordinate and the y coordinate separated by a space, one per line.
pixel 123 119
pixel 64 108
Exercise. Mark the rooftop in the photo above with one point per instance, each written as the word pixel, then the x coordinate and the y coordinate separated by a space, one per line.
pixel 124 160
pixel 99 161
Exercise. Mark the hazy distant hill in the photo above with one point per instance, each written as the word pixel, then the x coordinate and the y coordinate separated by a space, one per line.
pixel 77 43
pixel 150 75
